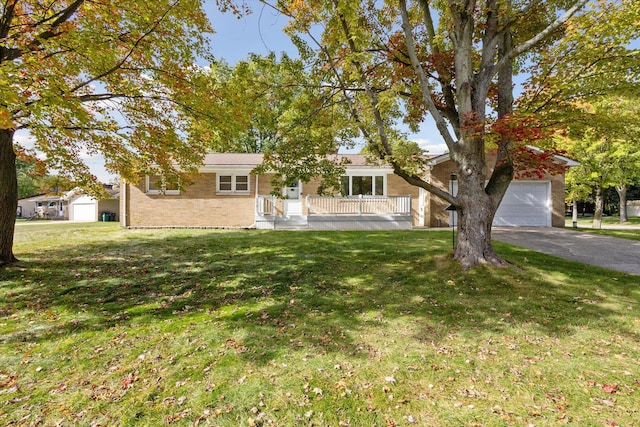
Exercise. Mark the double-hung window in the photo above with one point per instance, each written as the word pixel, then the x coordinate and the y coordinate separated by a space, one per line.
pixel 232 183
pixel 366 185
pixel 156 184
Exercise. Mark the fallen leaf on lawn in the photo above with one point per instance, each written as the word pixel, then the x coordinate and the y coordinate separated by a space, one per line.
pixel 610 388
pixel 390 380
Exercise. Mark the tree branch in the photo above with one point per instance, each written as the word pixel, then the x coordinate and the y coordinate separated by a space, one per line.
pixel 532 42
pixel 424 84
pixel 120 63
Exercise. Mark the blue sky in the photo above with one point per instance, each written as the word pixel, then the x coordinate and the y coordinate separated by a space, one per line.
pixel 260 32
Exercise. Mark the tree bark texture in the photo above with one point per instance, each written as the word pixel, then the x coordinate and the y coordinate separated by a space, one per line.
pixel 597 214
pixel 622 194
pixel 476 209
pixel 8 196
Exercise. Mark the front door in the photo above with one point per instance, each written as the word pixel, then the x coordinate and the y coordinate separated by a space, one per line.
pixel 292 202
pixel 292 191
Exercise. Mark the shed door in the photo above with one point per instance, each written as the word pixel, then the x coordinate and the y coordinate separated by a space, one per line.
pixel 525 204
pixel 84 212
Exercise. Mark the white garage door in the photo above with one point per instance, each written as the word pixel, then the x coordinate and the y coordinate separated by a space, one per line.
pixel 525 204
pixel 84 212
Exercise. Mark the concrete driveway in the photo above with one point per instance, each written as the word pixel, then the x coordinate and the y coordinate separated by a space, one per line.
pixel 608 252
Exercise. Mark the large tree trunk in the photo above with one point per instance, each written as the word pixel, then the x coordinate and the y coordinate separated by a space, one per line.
pixel 477 206
pixel 8 196
pixel 597 215
pixel 478 201
pixel 622 194
pixel 474 236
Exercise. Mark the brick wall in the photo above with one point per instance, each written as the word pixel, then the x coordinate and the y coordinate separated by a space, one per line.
pixel 198 205
pixel 440 177
pixel 557 200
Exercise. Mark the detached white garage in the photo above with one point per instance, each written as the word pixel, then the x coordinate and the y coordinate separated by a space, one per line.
pixel 84 208
pixel 526 203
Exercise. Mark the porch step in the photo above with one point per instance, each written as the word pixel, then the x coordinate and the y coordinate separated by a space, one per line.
pixel 295 222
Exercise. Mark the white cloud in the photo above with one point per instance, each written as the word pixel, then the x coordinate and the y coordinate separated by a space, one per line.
pixel 431 147
pixel 24 139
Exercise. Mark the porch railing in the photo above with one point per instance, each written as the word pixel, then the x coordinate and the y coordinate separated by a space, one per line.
pixel 265 205
pixel 359 205
pixel 354 205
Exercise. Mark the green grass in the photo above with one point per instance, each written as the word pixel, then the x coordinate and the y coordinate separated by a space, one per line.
pixel 103 326
pixel 585 221
pixel 584 224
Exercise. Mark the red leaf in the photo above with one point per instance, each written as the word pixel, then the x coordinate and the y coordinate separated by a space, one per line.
pixel 610 388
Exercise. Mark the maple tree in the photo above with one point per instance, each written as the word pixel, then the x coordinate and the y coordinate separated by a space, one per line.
pixel 607 145
pixel 96 76
pixel 454 61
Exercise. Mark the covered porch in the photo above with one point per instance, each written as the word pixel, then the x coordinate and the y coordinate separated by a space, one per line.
pixel 334 213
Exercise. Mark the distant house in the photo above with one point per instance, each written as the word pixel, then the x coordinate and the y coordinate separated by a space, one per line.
pixel 83 207
pixel 228 194
pixel 73 205
pixel 42 206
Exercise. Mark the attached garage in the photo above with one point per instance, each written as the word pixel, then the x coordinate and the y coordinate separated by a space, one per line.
pixel 526 203
pixel 532 200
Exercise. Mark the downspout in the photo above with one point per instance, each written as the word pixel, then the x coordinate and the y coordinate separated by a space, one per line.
pixel 124 207
pixel 255 203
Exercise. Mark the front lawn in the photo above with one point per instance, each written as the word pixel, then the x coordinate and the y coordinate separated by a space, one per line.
pixel 632 230
pixel 585 221
pixel 104 326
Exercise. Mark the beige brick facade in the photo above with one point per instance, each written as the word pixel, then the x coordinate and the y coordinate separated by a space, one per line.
pixel 440 176
pixel 200 205
pixel 397 186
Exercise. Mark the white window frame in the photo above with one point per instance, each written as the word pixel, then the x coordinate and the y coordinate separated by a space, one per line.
pixel 163 190
pixel 234 183
pixel 373 181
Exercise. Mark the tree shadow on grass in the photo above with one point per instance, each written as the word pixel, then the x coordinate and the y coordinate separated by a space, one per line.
pixel 289 289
